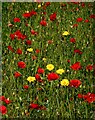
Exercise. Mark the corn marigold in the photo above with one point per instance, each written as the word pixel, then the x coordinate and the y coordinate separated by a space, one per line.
pixel 50 67
pixel 64 82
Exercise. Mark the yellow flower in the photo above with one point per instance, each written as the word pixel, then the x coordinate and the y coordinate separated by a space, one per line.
pixel 60 71
pixel 64 82
pixel 65 33
pixel 30 49
pixel 39 5
pixel 44 59
pixel 31 79
pixel 50 67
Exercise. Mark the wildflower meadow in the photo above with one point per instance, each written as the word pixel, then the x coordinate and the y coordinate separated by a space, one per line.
pixel 48 61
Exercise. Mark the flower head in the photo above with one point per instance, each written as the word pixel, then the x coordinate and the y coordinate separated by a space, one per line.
pixel 75 83
pixel 31 79
pixel 66 33
pixel 64 82
pixel 30 49
pixel 60 71
pixel 50 67
pixel 21 64
pixel 3 109
pixel 52 76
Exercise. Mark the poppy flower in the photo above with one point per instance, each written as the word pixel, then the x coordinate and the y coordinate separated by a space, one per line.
pixel 37 51
pixel 16 19
pixel 3 109
pixel 10 48
pixel 17 74
pixel 33 32
pixel 43 23
pixel 92 16
pixel 53 16
pixel 33 13
pixel 52 76
pixel 21 64
pixel 76 66
pixel 47 3
pixel 68 61
pixel 12 36
pixel 40 70
pixel 72 40
pixel 80 96
pixel 27 15
pixel 75 25
pixel 79 19
pixel 28 42
pixel 75 83
pixel 38 78
pixel 83 4
pixel 2 98
pixel 19 51
pixel 34 106
pixel 89 97
pixel 77 51
pixel 26 87
pixel 7 101
pixel 86 21
pixel 89 67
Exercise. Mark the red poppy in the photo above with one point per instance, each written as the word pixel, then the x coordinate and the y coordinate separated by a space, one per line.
pixel 34 106
pixel 28 42
pixel 47 3
pixel 89 97
pixel 38 78
pixel 17 74
pixel 92 16
pixel 75 25
pixel 3 109
pixel 83 4
pixel 86 21
pixel 53 16
pixel 16 19
pixel 26 87
pixel 2 98
pixel 77 51
pixel 37 51
pixel 23 37
pixel 33 32
pixel 21 64
pixel 43 23
pixel 12 36
pixel 52 76
pixel 80 96
pixel 76 66
pixel 75 83
pixel 40 70
pixel 7 101
pixel 79 19
pixel 27 15
pixel 68 61
pixel 19 51
pixel 10 48
pixel 33 13
pixel 89 67
pixel 72 40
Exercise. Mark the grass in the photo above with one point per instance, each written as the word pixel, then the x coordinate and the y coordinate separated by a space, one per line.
pixel 61 102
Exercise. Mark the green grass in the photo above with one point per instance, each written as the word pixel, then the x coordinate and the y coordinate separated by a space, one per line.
pixel 58 104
